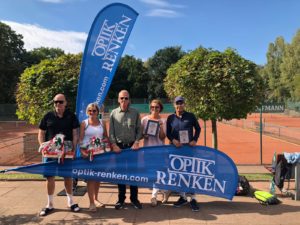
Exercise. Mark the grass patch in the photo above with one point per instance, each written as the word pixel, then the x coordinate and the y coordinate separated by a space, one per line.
pixel 23 176
pixel 258 176
pixel 28 176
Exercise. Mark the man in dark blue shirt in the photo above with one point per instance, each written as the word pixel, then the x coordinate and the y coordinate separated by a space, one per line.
pixel 183 128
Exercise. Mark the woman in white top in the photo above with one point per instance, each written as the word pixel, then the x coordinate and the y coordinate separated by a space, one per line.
pixel 92 127
pixel 159 139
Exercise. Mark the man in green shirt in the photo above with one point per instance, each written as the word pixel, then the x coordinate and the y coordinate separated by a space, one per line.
pixel 125 132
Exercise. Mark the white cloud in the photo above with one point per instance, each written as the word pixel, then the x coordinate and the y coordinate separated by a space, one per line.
pixel 162 8
pixel 52 1
pixel 35 36
pixel 163 13
pixel 162 4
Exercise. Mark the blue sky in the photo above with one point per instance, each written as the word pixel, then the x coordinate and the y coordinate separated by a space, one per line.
pixel 248 26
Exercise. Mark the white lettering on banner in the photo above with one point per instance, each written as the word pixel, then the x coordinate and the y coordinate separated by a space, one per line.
pixel 102 89
pixel 109 41
pixel 191 164
pixel 190 172
pixel 108 175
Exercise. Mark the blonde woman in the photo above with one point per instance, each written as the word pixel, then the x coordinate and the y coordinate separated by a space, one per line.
pixel 89 128
pixel 156 108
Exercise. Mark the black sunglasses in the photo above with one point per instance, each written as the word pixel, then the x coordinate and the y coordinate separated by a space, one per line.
pixel 179 103
pixel 154 107
pixel 94 110
pixel 58 102
pixel 124 98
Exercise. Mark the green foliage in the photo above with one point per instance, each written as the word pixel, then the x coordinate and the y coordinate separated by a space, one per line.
pixel 216 85
pixel 282 70
pixel 157 69
pixel 272 73
pixel 11 64
pixel 290 68
pixel 40 83
pixel 130 75
pixel 38 54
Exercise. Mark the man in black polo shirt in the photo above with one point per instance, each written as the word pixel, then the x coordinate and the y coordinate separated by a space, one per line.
pixel 183 128
pixel 59 121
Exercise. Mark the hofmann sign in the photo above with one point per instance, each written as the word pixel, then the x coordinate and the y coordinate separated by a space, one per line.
pixel 271 108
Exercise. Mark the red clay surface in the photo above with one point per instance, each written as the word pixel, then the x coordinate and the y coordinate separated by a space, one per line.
pixel 242 145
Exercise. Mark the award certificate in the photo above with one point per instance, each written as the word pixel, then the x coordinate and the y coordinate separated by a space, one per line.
pixel 184 136
pixel 152 128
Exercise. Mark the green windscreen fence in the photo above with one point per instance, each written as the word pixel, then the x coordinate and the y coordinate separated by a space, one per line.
pixel 143 108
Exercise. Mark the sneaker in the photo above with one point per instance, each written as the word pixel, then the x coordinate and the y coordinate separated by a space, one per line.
pixel 46 211
pixel 136 204
pixel 153 202
pixel 194 205
pixel 119 205
pixel 181 201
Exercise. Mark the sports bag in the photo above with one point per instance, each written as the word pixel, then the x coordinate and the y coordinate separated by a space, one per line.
pixel 266 198
pixel 243 187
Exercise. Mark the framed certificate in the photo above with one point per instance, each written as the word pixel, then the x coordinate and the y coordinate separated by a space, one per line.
pixel 152 128
pixel 184 136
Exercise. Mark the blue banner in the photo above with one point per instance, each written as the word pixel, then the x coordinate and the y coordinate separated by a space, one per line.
pixel 196 169
pixel 104 47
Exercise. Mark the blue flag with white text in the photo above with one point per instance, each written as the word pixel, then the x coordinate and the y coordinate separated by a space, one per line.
pixel 104 47
pixel 196 169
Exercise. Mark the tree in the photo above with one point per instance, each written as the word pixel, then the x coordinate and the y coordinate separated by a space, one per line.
pixel 11 65
pixel 216 85
pixel 290 68
pixel 38 54
pixel 40 83
pixel 272 72
pixel 130 75
pixel 157 69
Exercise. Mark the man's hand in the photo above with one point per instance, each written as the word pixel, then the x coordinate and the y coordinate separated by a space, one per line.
pixel 135 146
pixel 192 143
pixel 176 143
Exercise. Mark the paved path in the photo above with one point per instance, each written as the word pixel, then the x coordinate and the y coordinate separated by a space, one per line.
pixel 20 202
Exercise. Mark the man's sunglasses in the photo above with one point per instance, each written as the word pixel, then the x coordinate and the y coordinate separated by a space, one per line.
pixel 94 110
pixel 154 107
pixel 58 102
pixel 124 98
pixel 179 103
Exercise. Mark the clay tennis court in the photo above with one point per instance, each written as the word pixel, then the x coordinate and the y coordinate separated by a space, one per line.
pixel 243 145
pixel 240 140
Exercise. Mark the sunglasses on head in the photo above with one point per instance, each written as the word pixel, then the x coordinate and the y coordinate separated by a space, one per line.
pixel 124 98
pixel 154 107
pixel 92 110
pixel 58 102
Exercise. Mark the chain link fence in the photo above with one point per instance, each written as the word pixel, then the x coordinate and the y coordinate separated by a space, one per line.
pixel 290 134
